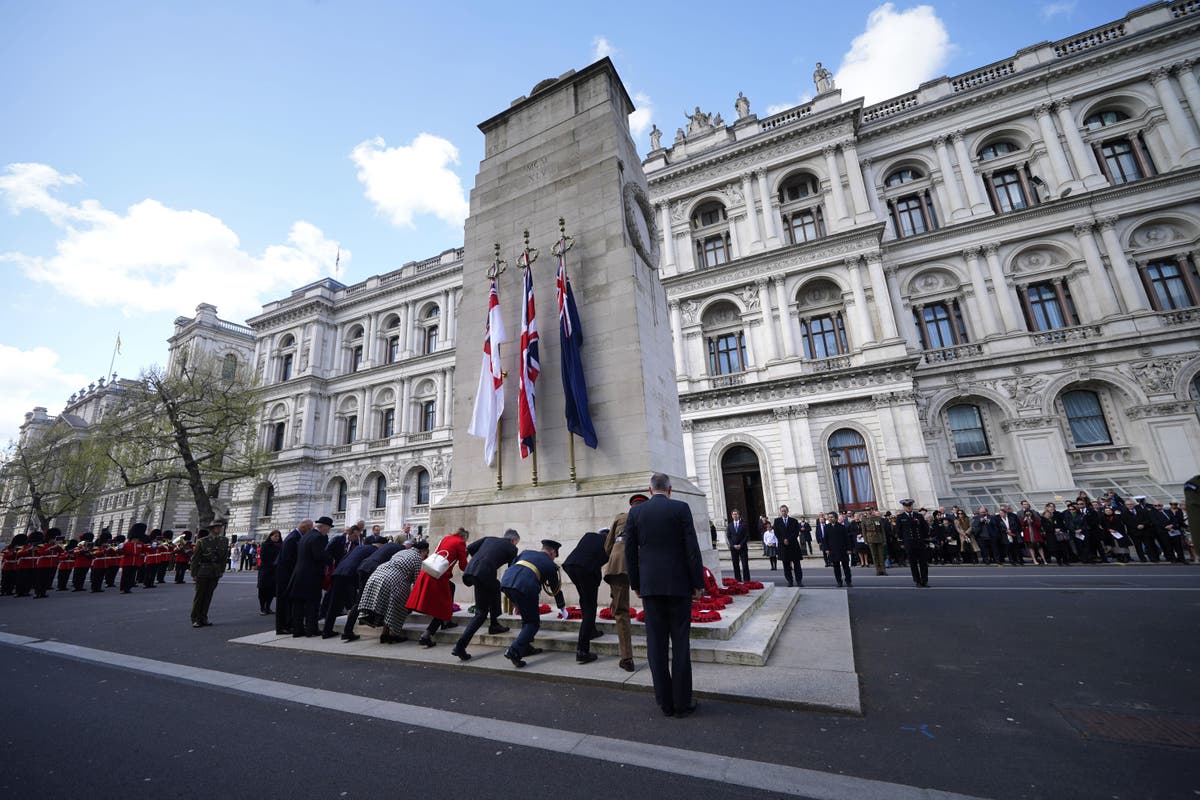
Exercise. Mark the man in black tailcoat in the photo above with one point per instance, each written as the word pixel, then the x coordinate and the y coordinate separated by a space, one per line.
pixel 662 557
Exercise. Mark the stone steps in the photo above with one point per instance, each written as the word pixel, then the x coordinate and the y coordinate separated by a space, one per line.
pixel 744 637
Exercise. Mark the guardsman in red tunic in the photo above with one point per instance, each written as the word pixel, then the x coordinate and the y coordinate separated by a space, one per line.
pixel 166 556
pixel 183 556
pixel 81 563
pixel 150 549
pixel 101 558
pixel 66 562
pixel 132 556
pixel 47 562
pixel 27 564
pixel 9 558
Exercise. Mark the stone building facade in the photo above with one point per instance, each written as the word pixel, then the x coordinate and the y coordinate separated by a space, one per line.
pixel 982 290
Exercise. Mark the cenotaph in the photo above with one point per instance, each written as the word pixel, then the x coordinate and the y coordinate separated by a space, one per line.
pixel 565 151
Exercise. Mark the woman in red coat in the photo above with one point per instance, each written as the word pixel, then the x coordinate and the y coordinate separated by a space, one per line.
pixel 1031 530
pixel 435 596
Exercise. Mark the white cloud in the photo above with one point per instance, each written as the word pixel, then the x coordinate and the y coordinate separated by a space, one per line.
pixel 412 179
pixel 154 258
pixel 776 108
pixel 639 120
pixel 1065 9
pixel 29 378
pixel 896 52
pixel 602 48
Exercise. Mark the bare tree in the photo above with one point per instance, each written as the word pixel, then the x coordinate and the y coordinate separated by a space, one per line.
pixel 194 424
pixel 51 472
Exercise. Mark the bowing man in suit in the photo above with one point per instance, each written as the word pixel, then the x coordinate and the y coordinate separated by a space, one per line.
pixel 662 557
pixel 487 556
pixel 787 531
pixel 583 566
pixel 737 536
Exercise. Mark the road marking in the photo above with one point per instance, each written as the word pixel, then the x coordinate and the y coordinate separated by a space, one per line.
pixel 944 587
pixel 771 779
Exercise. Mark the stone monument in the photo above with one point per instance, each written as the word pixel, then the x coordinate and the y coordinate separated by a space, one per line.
pixel 566 151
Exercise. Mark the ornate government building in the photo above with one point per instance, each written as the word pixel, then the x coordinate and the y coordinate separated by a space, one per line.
pixel 982 290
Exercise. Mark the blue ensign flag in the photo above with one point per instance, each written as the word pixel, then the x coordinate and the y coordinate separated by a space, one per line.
pixel 570 334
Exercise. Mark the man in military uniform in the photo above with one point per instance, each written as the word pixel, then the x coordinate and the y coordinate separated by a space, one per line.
pixel 914 531
pixel 522 583
pixel 617 578
pixel 209 562
pixel 1191 502
pixel 872 528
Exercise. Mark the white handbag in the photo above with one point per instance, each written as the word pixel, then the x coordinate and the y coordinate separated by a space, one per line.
pixel 436 564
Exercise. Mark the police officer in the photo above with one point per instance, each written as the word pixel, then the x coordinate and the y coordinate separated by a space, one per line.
pixel 914 531
pixel 872 528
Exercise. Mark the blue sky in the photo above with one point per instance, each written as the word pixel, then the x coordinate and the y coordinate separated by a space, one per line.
pixel 158 155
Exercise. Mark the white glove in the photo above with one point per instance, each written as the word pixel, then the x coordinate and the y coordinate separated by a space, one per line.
pixel 563 614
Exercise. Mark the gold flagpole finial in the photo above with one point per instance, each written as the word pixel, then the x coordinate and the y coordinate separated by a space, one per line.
pixel 497 267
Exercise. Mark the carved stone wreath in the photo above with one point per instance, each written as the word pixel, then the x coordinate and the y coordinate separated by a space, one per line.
pixel 636 203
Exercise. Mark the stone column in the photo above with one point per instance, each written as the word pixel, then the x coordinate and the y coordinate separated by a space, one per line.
pixel 764 303
pixel 368 341
pixel 1181 127
pixel 770 226
pixel 689 448
pixel 785 318
pixel 975 193
pixel 1190 86
pixel 957 209
pixel 810 500
pixel 756 237
pixel 668 238
pixel 787 441
pixel 696 352
pixel 862 320
pixel 315 348
pixel 835 187
pixel 410 332
pixel 991 325
pixel 883 296
pixel 1098 282
pixel 1085 163
pixel 451 319
pixel 873 198
pixel 858 190
pixel 1058 159
pixel 908 328
pixel 403 422
pixel 681 368
pixel 687 254
pixel 1124 272
pixel 735 243
pixel 1004 295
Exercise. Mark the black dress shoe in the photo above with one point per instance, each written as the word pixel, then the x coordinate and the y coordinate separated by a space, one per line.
pixel 462 655
pixel 449 625
pixel 350 637
pixel 425 641
pixel 626 664
pixel 687 712
pixel 495 629
pixel 585 658
pixel 328 635
pixel 534 651
pixel 514 658
pixel 667 711
pixel 597 634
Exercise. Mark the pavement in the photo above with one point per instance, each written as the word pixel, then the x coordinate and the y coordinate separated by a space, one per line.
pixel 801 635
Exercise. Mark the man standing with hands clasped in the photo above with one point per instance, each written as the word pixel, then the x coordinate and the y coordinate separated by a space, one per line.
pixel 787 531
pixel 662 557
pixel 737 536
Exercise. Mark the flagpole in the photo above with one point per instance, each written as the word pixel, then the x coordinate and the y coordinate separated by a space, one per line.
pixel 116 347
pixel 527 263
pixel 494 272
pixel 564 244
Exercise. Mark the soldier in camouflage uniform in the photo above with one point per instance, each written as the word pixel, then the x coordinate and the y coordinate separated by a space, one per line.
pixel 872 528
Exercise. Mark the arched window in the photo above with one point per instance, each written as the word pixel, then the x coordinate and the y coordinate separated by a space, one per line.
pixel 911 207
pixel 380 491
pixel 341 494
pixel 823 336
pixel 851 470
pixel 1121 152
pixel 423 488
pixel 1101 119
pixel 940 324
pixel 392 332
pixel 997 149
pixel 1086 418
pixel 351 429
pixel 725 339
pixel 278 432
pixel 710 224
pixel 388 427
pixel 902 176
pixel 355 342
pixel 800 208
pixel 966 430
pixel 429 323
pixel 229 368
pixel 1049 306
pixel 428 415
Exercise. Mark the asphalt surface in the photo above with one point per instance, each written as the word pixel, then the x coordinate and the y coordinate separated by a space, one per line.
pixel 967 687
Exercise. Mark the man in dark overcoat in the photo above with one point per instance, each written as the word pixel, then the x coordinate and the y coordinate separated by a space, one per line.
pixel 737 537
pixel 838 543
pixel 305 587
pixel 787 531
pixel 583 566
pixel 662 557
pixel 285 564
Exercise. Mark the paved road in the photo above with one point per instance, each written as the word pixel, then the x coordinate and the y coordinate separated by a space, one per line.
pixel 966 687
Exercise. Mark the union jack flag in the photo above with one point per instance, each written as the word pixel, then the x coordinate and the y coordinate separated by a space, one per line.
pixel 530 367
